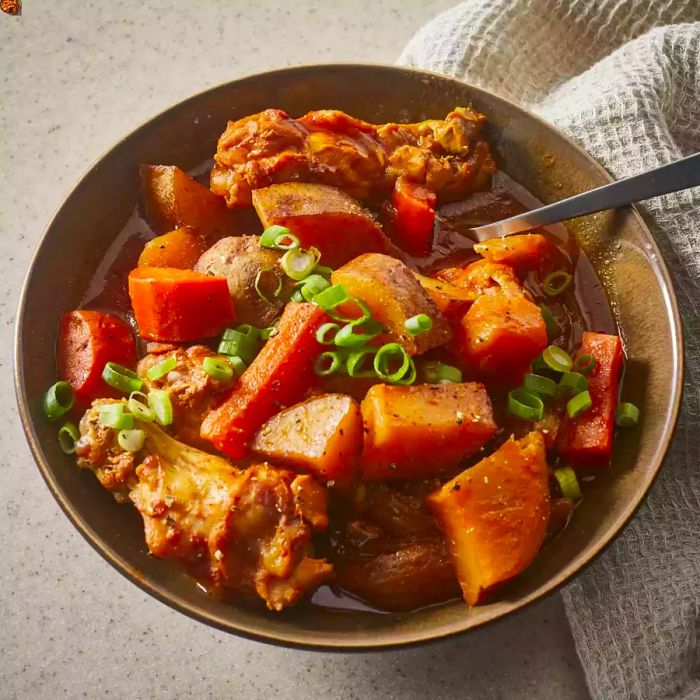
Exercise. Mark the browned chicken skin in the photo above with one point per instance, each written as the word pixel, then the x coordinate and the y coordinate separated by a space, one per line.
pixel 449 156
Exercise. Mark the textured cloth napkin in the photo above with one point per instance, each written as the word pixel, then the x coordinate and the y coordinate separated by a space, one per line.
pixel 622 78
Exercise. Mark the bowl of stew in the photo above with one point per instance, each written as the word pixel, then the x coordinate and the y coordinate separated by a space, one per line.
pixel 269 376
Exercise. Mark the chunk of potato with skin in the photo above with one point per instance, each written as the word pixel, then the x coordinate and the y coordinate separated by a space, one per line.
pixel 414 432
pixel 415 574
pixel 322 436
pixel 172 199
pixel 393 295
pixel 495 515
pixel 452 302
pixel 180 248
pixel 324 217
pixel 239 259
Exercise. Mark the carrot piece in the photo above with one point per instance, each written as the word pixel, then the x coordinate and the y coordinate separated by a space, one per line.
pixel 502 334
pixel 523 252
pixel 482 277
pixel 87 340
pixel 277 377
pixel 415 216
pixel 180 248
pixel 413 432
pixel 495 515
pixel 452 302
pixel 173 305
pixel 588 439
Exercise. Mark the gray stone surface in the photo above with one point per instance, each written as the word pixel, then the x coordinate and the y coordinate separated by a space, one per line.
pixel 75 76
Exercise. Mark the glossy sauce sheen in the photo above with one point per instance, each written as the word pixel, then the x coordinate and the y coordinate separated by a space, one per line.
pixel 586 308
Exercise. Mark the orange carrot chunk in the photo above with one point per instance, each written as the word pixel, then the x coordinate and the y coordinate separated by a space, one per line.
pixel 523 252
pixel 180 248
pixel 276 378
pixel 587 440
pixel 172 305
pixel 87 340
pixel 495 515
pixel 415 216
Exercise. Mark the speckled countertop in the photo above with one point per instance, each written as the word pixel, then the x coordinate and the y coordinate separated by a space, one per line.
pixel 75 76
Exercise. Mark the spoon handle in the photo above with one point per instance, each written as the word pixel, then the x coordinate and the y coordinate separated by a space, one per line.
pixel 679 175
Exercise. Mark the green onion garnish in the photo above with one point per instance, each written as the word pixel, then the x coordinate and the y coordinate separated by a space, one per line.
pixel 326 333
pixel 313 285
pixel 218 368
pixel 550 322
pixel 416 325
pixel 253 332
pixel 160 404
pixel 238 344
pixel 113 415
pixel 267 333
pixel 436 372
pixel 359 362
pixel 279 237
pixel 556 283
pixel 68 435
pixel 579 404
pixel 323 270
pixel 387 357
pixel 557 359
pixel 260 282
pixel 353 335
pixel 627 415
pixel 238 365
pixel 568 483
pixel 537 384
pixel 410 376
pixel 58 400
pixel 524 404
pixel 296 296
pixel 585 363
pixel 332 296
pixel 161 369
pixel 572 383
pixel 328 363
pixel 298 263
pixel 131 440
pixel 139 407
pixel 121 378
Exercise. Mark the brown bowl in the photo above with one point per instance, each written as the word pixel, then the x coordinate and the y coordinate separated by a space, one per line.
pixel 546 162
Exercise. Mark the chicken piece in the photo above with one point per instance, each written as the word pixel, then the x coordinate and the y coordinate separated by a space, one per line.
pixel 191 390
pixel 449 156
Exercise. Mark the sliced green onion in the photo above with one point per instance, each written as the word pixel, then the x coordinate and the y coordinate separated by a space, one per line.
pixel 269 332
pixel 352 335
pixel 359 362
pixel 572 383
pixel 313 285
pixel 298 263
pixel 627 415
pixel 253 332
pixel 388 354
pixel 549 321
pixel 139 408
pixel 58 400
pixel 68 435
pixel 416 325
pixel 568 483
pixel 278 237
pixel 556 283
pixel 326 333
pixel 162 368
pixel 237 344
pixel 330 298
pixel 524 404
pixel 218 368
pixel 579 404
pixel 131 440
pixel 121 378
pixel 296 296
pixel 585 363
pixel 557 359
pixel 436 372
pixel 537 384
pixel 269 298
pixel 238 365
pixel 159 401
pixel 113 415
pixel 323 270
pixel 411 375
pixel 328 363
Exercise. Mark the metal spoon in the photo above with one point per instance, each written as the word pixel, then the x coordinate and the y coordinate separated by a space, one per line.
pixel 679 175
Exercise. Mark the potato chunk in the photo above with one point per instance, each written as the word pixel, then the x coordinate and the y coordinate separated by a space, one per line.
pixel 322 436
pixel 172 198
pixel 495 515
pixel 413 432
pixel 393 295
pixel 451 301
pixel 179 248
